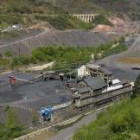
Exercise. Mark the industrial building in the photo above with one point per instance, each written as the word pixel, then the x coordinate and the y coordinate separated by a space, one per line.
pixel 99 87
pixel 48 92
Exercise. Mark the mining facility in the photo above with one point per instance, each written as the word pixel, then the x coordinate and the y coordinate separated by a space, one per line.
pixel 54 96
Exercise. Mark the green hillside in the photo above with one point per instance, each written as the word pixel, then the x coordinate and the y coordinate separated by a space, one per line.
pixel 78 6
pixel 29 12
pixel 121 122
pixel 122 8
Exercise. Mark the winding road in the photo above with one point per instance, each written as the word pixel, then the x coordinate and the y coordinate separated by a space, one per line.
pixel 26 38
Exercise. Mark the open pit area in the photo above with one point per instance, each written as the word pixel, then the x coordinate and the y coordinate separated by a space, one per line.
pixel 72 38
pixel 7 38
pixel 25 97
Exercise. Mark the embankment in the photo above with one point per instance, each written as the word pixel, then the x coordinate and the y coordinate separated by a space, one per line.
pixel 68 38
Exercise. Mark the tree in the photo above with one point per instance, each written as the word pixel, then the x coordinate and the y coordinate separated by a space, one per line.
pixel 11 129
pixel 136 88
pixel 122 39
pixel 101 19
pixel 7 53
pixel 14 62
pixel 34 117
pixel 11 119
pixel 6 108
pixel 0 56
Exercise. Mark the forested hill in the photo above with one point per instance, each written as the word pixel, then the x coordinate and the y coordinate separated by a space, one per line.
pixel 130 8
pixel 29 12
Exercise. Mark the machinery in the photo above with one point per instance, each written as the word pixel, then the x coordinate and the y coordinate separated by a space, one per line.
pixel 14 80
pixel 46 113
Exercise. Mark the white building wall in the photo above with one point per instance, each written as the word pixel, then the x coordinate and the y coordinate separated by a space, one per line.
pixel 83 71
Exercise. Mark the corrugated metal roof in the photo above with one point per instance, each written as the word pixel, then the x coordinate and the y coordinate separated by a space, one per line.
pixel 83 90
pixel 93 66
pixel 95 82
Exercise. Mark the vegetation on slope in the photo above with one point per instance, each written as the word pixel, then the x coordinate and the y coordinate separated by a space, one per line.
pixel 101 19
pixel 62 55
pixel 78 6
pixel 121 7
pixel 120 122
pixel 65 21
pixel 129 8
pixel 28 12
pixel 11 129
pixel 136 88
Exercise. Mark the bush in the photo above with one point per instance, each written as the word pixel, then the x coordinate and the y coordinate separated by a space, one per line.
pixel 11 129
pixel 64 56
pixel 64 21
pixel 101 19
pixel 8 53
pixel 136 88
pixel 14 62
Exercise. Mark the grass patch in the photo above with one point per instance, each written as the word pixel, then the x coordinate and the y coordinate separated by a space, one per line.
pixel 64 21
pixel 28 12
pixel 8 35
pixel 65 58
pixel 11 129
pixel 101 19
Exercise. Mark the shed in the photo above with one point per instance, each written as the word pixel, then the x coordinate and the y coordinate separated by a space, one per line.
pixel 83 90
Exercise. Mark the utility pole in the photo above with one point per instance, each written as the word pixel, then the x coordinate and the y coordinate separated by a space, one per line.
pixel 19 51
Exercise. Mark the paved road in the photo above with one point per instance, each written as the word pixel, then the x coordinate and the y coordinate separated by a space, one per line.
pixel 121 70
pixel 67 133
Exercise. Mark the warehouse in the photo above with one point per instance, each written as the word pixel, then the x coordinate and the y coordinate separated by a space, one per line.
pixel 95 90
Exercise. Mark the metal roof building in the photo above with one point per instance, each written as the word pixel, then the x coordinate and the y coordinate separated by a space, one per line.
pixel 95 83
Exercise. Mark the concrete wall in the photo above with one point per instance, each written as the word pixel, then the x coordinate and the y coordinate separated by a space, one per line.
pixel 105 96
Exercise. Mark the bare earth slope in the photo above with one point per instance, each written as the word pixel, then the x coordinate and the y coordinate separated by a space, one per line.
pixel 69 38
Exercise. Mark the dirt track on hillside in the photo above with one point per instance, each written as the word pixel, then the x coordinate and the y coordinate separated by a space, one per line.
pixel 53 37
